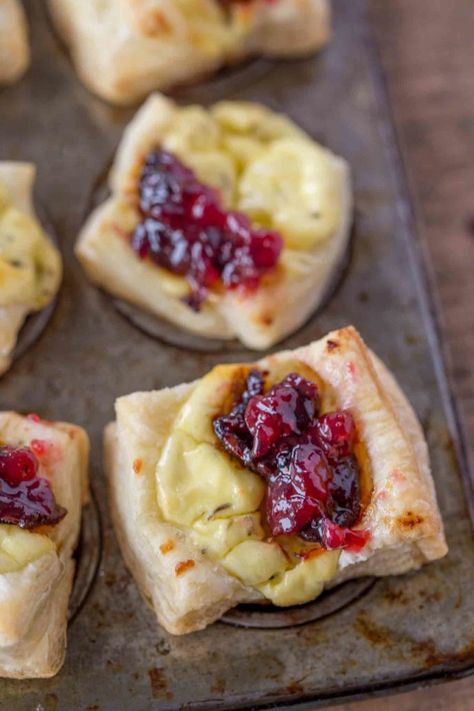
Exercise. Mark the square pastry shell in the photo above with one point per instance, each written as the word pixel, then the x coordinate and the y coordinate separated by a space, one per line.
pixel 124 49
pixel 34 599
pixel 14 46
pixel 402 517
pixel 278 307
pixel 18 179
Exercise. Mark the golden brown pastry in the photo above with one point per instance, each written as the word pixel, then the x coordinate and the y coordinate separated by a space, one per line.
pixel 30 265
pixel 14 47
pixel 124 49
pixel 245 245
pixel 43 485
pixel 270 482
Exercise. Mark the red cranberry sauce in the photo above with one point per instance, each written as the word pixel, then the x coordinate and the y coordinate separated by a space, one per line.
pixel 185 229
pixel 306 458
pixel 26 499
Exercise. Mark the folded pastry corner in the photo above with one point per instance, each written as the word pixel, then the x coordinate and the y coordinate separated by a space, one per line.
pixel 270 482
pixel 124 49
pixel 14 47
pixel 43 486
pixel 30 265
pixel 229 222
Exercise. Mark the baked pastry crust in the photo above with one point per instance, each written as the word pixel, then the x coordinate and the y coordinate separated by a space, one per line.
pixel 124 49
pixel 14 47
pixel 402 517
pixel 34 600
pixel 278 307
pixel 16 181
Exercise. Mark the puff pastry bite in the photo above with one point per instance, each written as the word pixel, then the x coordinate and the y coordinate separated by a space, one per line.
pixel 270 482
pixel 30 265
pixel 43 485
pixel 14 47
pixel 123 49
pixel 228 222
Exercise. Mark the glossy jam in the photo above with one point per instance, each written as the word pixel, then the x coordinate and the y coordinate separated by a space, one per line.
pixel 185 230
pixel 287 409
pixel 307 459
pixel 26 499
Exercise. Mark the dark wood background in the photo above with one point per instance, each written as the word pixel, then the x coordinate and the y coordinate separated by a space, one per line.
pixel 427 50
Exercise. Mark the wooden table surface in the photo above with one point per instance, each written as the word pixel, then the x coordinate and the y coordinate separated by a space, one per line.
pixel 427 50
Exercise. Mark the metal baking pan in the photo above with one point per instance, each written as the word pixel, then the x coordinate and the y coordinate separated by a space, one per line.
pixel 369 638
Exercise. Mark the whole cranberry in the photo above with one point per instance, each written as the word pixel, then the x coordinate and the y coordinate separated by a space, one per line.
pixel 343 504
pixel 335 433
pixel 289 505
pixel 17 464
pixel 297 494
pixel 26 499
pixel 286 409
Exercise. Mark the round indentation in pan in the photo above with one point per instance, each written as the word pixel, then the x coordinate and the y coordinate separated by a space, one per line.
pixel 270 617
pixel 35 323
pixel 32 329
pixel 226 81
pixel 87 556
pixel 166 332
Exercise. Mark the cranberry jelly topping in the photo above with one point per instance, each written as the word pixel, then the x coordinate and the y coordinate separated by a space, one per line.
pixel 26 499
pixel 307 459
pixel 288 408
pixel 185 229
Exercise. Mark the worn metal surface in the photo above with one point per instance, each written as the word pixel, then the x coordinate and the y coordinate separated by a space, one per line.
pixel 262 616
pixel 87 557
pixel 38 321
pixel 403 630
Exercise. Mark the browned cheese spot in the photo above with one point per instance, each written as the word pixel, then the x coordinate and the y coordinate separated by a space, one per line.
pixel 183 566
pixel 167 546
pixel 409 520
pixel 137 465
